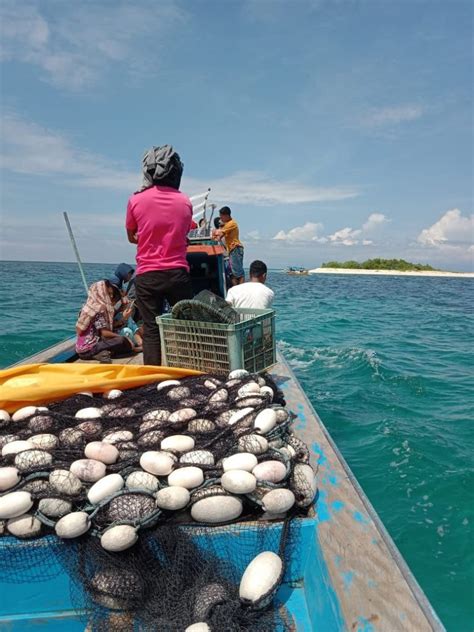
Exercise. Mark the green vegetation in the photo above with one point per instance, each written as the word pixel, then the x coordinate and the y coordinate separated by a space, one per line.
pixel 379 264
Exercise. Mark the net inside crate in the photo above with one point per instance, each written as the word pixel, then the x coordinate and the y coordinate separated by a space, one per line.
pixel 216 348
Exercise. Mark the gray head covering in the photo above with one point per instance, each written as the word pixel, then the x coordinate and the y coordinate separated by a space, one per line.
pixel 161 165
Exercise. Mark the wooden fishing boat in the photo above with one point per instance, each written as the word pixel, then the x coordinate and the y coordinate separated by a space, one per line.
pixel 297 271
pixel 344 574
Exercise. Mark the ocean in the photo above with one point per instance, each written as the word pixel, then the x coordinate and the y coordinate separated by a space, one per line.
pixel 387 363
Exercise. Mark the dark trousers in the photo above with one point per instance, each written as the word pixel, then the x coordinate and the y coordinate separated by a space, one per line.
pixel 153 288
pixel 118 346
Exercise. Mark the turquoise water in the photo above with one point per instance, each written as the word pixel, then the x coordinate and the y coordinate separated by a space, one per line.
pixel 387 363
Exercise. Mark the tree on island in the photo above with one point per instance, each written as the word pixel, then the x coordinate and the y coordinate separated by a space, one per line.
pixel 380 264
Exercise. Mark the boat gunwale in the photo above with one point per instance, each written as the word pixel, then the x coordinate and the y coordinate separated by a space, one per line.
pixel 397 557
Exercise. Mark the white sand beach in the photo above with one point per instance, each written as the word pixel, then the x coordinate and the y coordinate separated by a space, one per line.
pixel 440 273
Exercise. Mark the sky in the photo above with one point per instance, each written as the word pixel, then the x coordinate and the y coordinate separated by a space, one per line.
pixel 334 129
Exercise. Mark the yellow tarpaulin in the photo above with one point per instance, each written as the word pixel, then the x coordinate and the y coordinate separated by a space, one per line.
pixel 39 384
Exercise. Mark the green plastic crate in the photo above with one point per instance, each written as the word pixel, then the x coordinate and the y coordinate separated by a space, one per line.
pixel 216 348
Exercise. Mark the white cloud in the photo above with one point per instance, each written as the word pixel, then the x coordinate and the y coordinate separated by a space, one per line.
pixel 386 116
pixel 74 47
pixel 351 237
pixel 30 149
pixel 374 221
pixel 251 187
pixel 308 232
pixel 346 237
pixel 47 152
pixel 452 229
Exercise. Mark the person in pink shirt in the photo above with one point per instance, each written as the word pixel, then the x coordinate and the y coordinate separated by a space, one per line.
pixel 158 220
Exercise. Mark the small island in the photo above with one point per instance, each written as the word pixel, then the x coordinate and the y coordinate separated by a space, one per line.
pixel 381 264
pixel 381 267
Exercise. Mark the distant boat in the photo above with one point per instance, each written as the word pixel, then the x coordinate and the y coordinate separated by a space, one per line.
pixel 297 271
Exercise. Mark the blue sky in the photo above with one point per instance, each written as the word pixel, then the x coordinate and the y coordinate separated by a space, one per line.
pixel 334 129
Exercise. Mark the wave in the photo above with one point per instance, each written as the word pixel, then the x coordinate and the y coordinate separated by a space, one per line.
pixel 330 357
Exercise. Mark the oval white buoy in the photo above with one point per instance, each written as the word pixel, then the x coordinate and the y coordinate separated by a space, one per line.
pixel 32 459
pixel 261 577
pixel 272 471
pixel 172 498
pixel 142 481
pixel 104 488
pixel 237 374
pixel 197 457
pixel 282 414
pixel 4 415
pixel 23 413
pixel 65 482
pixel 114 393
pixel 278 501
pixel 119 538
pixel 239 415
pixel 15 447
pixel 201 426
pixel 101 451
pixel 159 463
pixel 248 389
pixel 216 509
pixel 54 507
pixel 88 470
pixel 41 423
pixel 303 483
pixel 44 441
pixel 188 477
pixel 71 437
pixel 178 443
pixel 253 443
pixel 118 436
pixel 221 395
pixel 238 482
pixel 9 477
pixel 240 461
pixel 178 393
pixel 167 383
pixel 266 390
pixel 25 526
pixel 73 525
pixel 88 413
pixel 182 415
pixel 160 414
pixel 15 504
pixel 201 626
pixel 265 420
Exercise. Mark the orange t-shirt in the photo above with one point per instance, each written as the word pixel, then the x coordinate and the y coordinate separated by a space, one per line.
pixel 231 235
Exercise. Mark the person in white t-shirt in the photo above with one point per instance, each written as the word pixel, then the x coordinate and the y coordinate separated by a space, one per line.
pixel 254 294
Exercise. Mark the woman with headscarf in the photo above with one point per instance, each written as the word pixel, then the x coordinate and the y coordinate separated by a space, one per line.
pixel 96 339
pixel 158 220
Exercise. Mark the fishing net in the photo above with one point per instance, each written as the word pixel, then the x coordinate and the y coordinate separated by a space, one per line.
pixel 162 497
pixel 206 307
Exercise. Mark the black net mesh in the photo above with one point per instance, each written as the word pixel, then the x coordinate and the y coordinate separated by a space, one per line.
pixel 147 491
pixel 206 307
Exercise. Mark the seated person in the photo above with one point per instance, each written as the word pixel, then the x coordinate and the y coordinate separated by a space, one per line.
pixel 122 276
pixel 124 325
pixel 96 339
pixel 253 294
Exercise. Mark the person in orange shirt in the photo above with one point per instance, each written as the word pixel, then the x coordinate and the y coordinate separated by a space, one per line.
pixel 230 232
